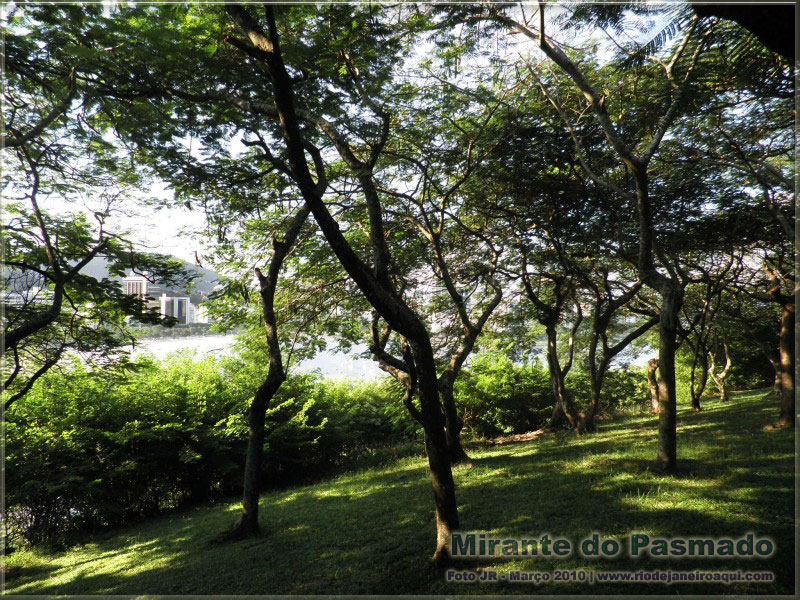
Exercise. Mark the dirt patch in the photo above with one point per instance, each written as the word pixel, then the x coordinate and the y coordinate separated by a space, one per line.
pixel 519 437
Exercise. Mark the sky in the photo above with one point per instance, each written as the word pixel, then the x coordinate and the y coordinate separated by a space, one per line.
pixel 173 230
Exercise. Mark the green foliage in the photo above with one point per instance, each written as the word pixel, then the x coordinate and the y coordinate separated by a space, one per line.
pixel 87 450
pixel 499 396
pixel 624 390
pixel 360 533
pixel 91 449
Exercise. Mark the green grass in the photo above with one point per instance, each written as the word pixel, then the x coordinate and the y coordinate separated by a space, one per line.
pixel 373 532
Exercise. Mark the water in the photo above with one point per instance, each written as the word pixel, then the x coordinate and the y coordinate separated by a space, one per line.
pixel 328 364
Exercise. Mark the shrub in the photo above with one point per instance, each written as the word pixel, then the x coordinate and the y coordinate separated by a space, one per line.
pixel 86 450
pixel 500 397
pixel 623 389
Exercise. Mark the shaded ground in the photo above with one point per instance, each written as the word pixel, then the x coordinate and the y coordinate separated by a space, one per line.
pixel 372 532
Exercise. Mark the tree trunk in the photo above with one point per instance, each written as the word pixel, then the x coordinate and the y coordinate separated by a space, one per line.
pixel 722 388
pixel 587 418
pixel 787 366
pixel 276 375
pixel 597 376
pixel 667 405
pixel 697 391
pixel 444 489
pixel 564 414
pixel 719 380
pixel 247 525
pixel 652 383
pixel 776 364
pixel 452 424
pixel 701 387
pixel 563 411
pixel 248 522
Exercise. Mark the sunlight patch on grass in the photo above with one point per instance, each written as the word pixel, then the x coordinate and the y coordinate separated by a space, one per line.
pixel 372 531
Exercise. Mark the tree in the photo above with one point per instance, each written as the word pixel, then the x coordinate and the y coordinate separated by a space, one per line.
pixel 719 378
pixel 276 375
pixel 748 141
pixel 52 308
pixel 567 218
pixel 668 285
pixel 786 348
pixel 550 294
pixel 610 297
pixel 455 275
pixel 715 278
pixel 250 216
pixel 206 80
pixel 374 283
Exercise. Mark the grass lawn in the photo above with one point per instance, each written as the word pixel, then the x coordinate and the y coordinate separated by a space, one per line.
pixel 372 532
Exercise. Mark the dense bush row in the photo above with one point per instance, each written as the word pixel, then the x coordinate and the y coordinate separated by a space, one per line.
pixel 498 396
pixel 87 450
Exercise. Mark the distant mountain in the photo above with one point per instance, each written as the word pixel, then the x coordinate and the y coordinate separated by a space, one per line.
pixel 205 283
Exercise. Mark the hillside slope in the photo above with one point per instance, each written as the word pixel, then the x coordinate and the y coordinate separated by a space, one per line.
pixel 372 532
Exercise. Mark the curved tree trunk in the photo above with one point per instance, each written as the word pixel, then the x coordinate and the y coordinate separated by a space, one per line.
pixel 669 287
pixel 454 423
pixel 722 388
pixel 697 392
pixel 776 384
pixel 596 374
pixel 786 349
pixel 248 525
pixel 248 521
pixel 696 388
pixel 441 474
pixel 587 423
pixel 719 379
pixel 276 375
pixel 563 412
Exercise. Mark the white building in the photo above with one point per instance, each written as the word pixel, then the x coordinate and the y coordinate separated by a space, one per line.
pixel 171 303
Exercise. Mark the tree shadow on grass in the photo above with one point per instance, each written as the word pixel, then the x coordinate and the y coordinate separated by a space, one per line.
pixel 373 532
pixel 37 571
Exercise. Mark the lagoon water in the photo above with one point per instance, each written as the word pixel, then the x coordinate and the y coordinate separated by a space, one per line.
pixel 329 364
